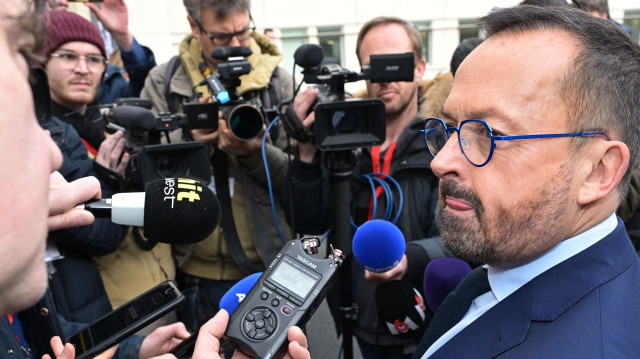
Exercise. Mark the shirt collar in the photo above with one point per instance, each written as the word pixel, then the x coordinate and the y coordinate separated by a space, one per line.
pixel 507 279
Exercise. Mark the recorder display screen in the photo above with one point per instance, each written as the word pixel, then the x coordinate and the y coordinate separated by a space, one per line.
pixel 293 279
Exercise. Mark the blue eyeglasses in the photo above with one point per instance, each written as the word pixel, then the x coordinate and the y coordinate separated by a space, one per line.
pixel 476 139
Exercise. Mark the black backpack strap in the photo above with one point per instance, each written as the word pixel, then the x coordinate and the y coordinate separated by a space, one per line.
pixel 221 177
pixel 275 91
pixel 173 100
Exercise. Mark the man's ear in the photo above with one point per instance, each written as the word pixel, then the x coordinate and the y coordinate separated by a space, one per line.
pixel 419 70
pixel 195 29
pixel 608 165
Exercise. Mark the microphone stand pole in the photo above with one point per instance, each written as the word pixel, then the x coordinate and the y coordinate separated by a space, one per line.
pixel 340 166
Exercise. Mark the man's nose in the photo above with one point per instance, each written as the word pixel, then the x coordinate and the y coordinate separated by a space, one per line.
pixel 82 65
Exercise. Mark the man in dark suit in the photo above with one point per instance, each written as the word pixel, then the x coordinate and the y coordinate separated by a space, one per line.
pixel 564 278
pixel 539 211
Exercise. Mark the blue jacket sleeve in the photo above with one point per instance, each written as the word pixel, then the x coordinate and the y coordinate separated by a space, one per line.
pixel 137 64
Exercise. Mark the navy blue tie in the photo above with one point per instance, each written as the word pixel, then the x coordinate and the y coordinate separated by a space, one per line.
pixel 454 307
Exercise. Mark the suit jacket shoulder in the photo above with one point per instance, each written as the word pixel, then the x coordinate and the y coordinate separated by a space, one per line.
pixel 585 307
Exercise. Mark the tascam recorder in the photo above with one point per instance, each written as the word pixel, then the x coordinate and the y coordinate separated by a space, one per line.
pixel 286 294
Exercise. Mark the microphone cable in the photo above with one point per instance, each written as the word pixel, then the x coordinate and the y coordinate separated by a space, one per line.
pixel 269 185
pixel 373 179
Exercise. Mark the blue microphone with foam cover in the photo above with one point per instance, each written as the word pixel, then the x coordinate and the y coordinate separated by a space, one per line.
pixel 232 298
pixel 378 245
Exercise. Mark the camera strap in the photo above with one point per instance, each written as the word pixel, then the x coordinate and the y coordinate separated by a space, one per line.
pixel 221 177
pixel 386 167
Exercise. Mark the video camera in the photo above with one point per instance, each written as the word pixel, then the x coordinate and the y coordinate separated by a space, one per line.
pixel 342 123
pixel 244 118
pixel 151 160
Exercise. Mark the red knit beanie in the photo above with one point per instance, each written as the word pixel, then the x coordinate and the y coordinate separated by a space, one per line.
pixel 61 27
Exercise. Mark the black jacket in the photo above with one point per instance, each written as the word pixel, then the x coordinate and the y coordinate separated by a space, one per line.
pixel 76 284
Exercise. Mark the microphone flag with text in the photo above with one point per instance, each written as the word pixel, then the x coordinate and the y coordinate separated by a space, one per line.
pixel 401 309
pixel 379 246
pixel 170 210
pixel 232 298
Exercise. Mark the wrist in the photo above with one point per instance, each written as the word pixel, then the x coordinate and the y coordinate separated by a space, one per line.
pixel 124 41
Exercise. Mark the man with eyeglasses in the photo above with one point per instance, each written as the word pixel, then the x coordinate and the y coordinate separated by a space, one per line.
pixel 534 152
pixel 75 62
pixel 247 240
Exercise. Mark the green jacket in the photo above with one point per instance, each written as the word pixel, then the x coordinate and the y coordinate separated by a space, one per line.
pixel 250 200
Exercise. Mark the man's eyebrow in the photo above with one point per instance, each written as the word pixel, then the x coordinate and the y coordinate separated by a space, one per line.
pixel 494 117
pixel 445 115
pixel 75 52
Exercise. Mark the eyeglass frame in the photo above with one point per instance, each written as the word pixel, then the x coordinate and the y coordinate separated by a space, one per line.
pixel 448 129
pixel 225 34
pixel 84 58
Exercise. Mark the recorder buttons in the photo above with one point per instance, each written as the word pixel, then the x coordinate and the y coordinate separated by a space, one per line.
pixel 259 323
pixel 286 310
pixel 269 285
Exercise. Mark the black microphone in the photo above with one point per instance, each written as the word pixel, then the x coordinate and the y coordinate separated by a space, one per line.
pixel 134 101
pixel 401 309
pixel 218 89
pixel 308 55
pixel 132 118
pixel 225 52
pixel 170 210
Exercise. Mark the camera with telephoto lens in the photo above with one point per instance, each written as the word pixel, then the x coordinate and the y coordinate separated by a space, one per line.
pixel 245 119
pixel 287 293
pixel 343 123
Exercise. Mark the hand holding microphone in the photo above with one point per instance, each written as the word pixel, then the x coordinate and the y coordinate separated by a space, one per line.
pixel 379 246
pixel 64 195
pixel 229 302
pixel 171 210
pixel 396 273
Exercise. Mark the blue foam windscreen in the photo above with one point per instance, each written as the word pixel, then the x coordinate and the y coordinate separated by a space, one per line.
pixel 378 245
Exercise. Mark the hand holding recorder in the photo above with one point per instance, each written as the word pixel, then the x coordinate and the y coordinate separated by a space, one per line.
pixel 208 343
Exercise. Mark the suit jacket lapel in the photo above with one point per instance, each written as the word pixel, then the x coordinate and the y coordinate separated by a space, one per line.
pixel 496 331
pixel 544 298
